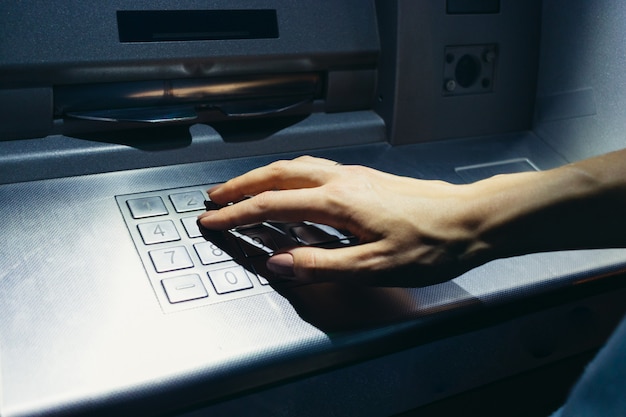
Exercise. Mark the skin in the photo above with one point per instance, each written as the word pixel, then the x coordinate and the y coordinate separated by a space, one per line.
pixel 426 231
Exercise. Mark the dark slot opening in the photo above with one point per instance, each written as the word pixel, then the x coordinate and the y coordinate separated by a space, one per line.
pixel 473 6
pixel 195 25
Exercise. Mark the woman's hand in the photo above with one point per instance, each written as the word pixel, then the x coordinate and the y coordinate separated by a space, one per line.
pixel 418 229
pixel 427 231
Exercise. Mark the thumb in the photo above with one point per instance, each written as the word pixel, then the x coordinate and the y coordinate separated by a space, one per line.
pixel 311 264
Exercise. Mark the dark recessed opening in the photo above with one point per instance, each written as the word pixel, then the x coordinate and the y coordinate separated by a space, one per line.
pixel 467 71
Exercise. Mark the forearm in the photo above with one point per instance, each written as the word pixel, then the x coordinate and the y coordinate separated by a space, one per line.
pixel 577 206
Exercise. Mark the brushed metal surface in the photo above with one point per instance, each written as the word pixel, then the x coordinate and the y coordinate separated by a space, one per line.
pixel 81 330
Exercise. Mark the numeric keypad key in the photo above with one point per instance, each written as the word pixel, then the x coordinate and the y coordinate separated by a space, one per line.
pixel 187 201
pixel 171 259
pixel 158 232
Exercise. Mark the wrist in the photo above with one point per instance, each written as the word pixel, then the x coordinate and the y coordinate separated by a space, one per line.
pixel 528 212
pixel 509 213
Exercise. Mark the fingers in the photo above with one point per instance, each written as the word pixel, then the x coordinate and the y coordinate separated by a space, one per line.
pixel 302 172
pixel 316 160
pixel 311 264
pixel 284 206
pixel 361 264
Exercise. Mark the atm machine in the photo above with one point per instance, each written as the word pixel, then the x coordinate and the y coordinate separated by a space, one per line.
pixel 117 116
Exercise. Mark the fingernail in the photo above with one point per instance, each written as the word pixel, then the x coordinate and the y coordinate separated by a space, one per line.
pixel 207 214
pixel 281 264
pixel 215 187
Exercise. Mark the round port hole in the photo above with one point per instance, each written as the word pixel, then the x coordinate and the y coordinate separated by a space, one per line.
pixel 467 70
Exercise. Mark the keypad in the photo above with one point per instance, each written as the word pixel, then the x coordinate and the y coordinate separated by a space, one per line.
pixel 189 267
